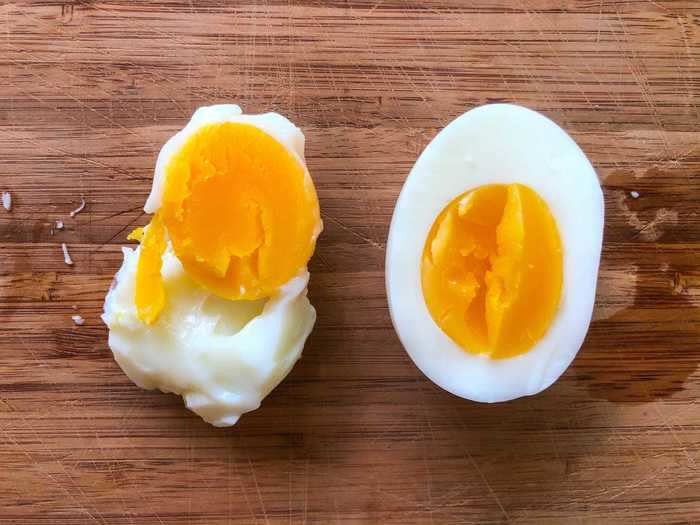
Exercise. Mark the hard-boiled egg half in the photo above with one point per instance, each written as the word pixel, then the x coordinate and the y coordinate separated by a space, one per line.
pixel 212 304
pixel 493 253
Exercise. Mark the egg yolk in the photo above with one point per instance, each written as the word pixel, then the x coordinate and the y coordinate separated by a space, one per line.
pixel 241 212
pixel 492 270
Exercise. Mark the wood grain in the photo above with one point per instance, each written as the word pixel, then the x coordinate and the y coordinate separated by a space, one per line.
pixel 89 92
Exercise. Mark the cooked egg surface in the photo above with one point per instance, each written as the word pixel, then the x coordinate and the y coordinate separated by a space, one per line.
pixel 212 305
pixel 239 208
pixel 493 254
pixel 492 270
pixel 223 357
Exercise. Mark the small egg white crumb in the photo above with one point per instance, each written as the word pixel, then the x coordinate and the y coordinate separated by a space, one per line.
pixel 59 224
pixel 66 255
pixel 79 208
pixel 634 194
pixel 6 200
pixel 74 307
pixel 78 320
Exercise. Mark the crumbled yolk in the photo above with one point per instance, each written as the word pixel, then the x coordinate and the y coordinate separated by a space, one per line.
pixel 150 292
pixel 241 213
pixel 492 270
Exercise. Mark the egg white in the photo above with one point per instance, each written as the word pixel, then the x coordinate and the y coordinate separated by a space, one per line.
pixel 497 144
pixel 223 356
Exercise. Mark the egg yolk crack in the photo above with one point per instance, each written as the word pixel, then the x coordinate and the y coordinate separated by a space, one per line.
pixel 492 270
pixel 240 211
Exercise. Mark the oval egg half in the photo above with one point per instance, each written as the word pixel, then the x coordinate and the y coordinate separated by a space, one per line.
pixel 493 254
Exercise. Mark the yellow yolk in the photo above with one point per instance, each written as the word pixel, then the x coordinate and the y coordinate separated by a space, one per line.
pixel 150 292
pixel 492 270
pixel 241 212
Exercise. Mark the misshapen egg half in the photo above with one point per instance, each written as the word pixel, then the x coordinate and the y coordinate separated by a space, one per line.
pixel 213 305
pixel 493 254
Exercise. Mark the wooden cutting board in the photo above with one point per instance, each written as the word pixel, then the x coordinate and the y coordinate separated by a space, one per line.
pixel 89 92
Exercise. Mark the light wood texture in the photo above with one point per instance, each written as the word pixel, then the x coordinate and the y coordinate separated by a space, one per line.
pixel 90 90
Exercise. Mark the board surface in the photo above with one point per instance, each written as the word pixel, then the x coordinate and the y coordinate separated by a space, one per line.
pixel 90 90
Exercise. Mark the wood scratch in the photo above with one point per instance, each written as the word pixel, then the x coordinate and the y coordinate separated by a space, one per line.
pixel 229 458
pixel 306 489
pixel 290 472
pixel 642 83
pixel 72 156
pixel 488 486
pixel 426 462
pixel 517 48
pixel 621 438
pixel 327 454
pixel 60 485
pixel 75 99
pixel 121 230
pixel 33 431
pixel 162 78
pixel 482 476
pixel 674 436
pixel 119 213
pixel 657 4
pixel 152 28
pixel 636 484
pixel 688 53
pixel 121 424
pixel 244 492
pixel 554 53
pixel 351 231
pixel 257 489
pixel 190 472
pixel 78 487
pixel 116 487
pixel 376 5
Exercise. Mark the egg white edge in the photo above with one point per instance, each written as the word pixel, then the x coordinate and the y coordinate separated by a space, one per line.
pixel 497 144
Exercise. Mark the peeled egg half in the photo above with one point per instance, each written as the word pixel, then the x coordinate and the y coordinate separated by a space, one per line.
pixel 493 254
pixel 213 305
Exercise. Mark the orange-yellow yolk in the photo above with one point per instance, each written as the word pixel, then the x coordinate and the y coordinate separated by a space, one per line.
pixel 492 270
pixel 241 212
pixel 150 292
